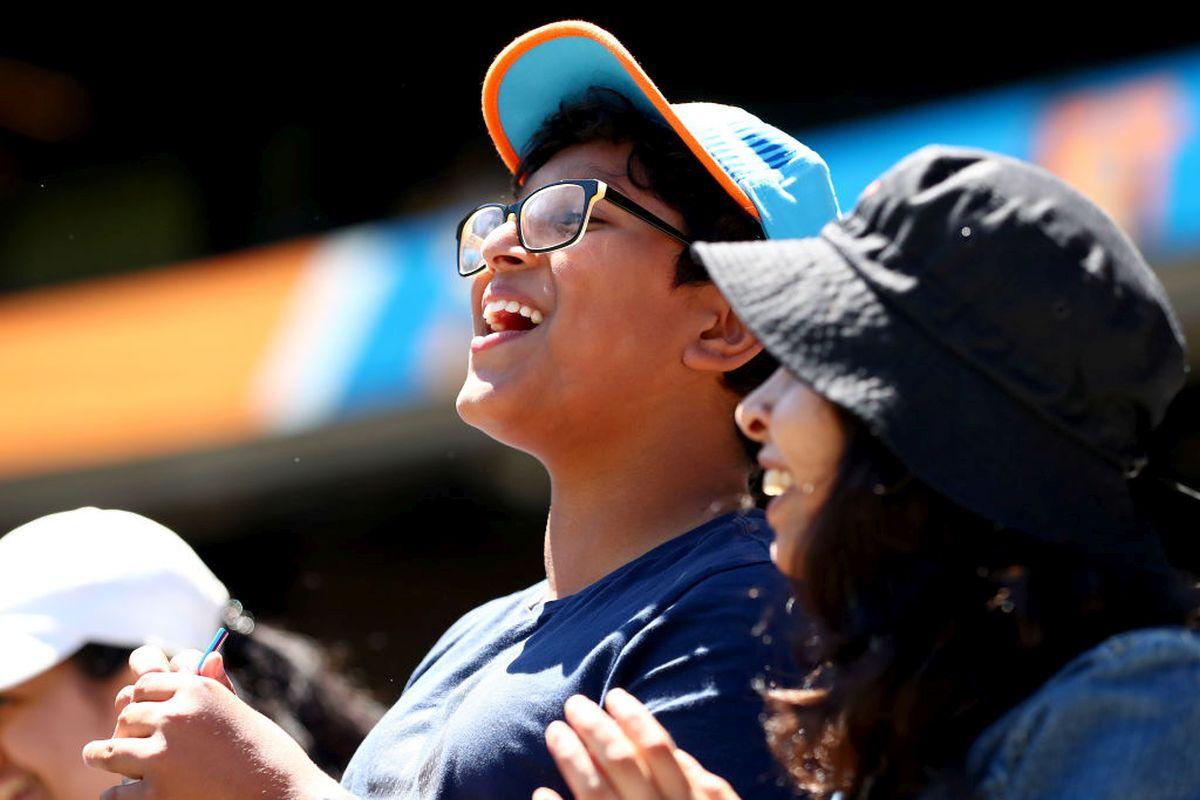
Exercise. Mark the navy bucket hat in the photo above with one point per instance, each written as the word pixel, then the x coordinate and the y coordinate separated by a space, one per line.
pixel 993 327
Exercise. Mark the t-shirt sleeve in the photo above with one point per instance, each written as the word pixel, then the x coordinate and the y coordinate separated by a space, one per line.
pixel 1121 723
pixel 700 667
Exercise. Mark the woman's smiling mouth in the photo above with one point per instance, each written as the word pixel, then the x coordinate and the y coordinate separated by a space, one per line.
pixel 777 481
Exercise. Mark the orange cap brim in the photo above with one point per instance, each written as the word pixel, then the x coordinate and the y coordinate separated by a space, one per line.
pixel 522 45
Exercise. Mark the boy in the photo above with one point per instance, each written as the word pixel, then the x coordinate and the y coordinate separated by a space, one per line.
pixel 603 350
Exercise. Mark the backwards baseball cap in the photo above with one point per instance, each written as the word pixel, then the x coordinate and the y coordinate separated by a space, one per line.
pixel 776 179
pixel 103 577
pixel 993 327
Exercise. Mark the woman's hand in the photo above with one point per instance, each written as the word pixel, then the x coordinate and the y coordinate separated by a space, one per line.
pixel 624 753
pixel 188 737
pixel 151 658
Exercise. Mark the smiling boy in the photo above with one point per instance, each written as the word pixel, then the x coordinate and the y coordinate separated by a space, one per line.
pixel 604 351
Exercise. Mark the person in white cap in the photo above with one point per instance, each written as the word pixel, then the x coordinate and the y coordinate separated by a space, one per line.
pixel 79 590
pixel 602 349
pixel 68 582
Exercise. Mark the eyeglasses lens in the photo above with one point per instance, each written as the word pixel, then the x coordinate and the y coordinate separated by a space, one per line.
pixel 474 231
pixel 553 216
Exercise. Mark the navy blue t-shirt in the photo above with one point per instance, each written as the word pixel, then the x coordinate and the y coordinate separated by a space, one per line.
pixel 692 628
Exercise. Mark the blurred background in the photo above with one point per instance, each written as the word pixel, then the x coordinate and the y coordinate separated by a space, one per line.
pixel 227 298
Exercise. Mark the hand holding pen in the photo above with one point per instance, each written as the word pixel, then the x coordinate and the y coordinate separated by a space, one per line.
pixel 151 658
pixel 182 736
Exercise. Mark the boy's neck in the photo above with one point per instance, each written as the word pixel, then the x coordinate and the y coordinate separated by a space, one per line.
pixel 625 498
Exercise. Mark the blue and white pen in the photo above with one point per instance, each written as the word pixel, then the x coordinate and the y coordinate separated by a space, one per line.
pixel 217 641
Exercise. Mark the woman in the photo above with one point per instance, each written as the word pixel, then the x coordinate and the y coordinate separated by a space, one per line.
pixel 79 591
pixel 972 362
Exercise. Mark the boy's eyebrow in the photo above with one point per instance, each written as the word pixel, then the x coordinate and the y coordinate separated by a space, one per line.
pixel 615 180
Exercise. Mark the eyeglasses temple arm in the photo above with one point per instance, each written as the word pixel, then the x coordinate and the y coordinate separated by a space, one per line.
pixel 645 216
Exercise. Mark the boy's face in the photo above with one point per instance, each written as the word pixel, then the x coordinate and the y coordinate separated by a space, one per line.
pixel 613 325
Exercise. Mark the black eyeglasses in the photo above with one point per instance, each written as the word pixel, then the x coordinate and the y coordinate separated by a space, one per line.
pixel 551 218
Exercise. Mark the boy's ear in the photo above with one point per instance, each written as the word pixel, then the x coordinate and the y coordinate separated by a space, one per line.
pixel 723 342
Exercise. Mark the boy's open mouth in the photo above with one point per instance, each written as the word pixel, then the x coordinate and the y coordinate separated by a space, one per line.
pixel 510 315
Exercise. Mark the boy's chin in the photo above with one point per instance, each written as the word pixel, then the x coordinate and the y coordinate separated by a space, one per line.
pixel 473 400
pixel 481 406
pixel 502 415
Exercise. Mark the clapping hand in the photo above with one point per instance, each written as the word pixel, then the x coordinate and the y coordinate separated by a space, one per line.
pixel 621 751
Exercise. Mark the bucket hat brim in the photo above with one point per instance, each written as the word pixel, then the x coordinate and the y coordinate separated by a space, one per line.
pixel 816 313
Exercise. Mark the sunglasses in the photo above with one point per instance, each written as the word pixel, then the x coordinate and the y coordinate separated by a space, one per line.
pixel 551 218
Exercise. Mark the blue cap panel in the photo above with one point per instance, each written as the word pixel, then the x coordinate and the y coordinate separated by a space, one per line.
pixel 537 83
pixel 788 183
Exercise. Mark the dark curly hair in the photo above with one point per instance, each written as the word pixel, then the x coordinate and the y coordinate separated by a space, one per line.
pixel 660 163
pixel 931 622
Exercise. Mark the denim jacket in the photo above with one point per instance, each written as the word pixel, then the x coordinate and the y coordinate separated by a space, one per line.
pixel 1119 721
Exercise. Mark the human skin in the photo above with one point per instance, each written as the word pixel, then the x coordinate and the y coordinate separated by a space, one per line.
pixel 802 437
pixel 618 392
pixel 621 751
pixel 44 722
pixel 188 737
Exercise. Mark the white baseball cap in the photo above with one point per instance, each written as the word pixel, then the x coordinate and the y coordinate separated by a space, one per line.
pixel 99 576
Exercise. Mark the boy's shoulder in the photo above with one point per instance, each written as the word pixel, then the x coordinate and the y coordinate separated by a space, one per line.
pixel 494 615
pixel 717 575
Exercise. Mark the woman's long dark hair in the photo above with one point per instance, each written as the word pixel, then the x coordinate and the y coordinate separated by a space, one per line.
pixel 932 622
pixel 286 677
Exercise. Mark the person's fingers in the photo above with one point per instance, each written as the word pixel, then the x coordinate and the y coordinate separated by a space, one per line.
pixel 123 756
pixel 186 661
pixel 654 744
pixel 124 698
pixel 704 783
pixel 155 687
pixel 148 658
pixel 576 766
pixel 610 749
pixel 138 721
pixel 214 667
pixel 546 794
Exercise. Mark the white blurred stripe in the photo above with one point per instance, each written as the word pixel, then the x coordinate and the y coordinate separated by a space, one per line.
pixel 324 329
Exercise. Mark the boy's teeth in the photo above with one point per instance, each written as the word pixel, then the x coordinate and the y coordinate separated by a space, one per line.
pixel 491 309
pixel 776 482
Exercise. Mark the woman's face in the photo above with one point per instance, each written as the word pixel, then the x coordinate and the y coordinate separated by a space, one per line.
pixel 44 724
pixel 802 440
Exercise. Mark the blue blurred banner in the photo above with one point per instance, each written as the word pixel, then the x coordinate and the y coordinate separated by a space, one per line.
pixel 1128 137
